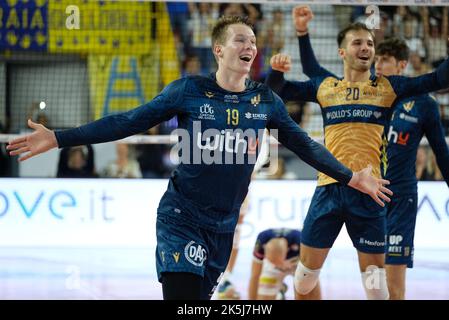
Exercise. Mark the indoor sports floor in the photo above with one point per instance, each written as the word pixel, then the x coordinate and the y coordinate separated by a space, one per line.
pixel 129 273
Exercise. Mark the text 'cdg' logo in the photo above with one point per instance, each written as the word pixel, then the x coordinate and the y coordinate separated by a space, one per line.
pixel 206 108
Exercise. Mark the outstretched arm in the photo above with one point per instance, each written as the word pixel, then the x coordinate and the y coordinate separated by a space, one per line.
pixel 433 81
pixel 302 15
pixel 317 156
pixel 110 128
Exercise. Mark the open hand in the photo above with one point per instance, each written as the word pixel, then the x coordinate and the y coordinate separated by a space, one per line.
pixel 374 187
pixel 41 140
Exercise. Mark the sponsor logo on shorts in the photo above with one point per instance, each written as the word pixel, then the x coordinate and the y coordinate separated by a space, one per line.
pixel 176 256
pixel 394 245
pixel 406 251
pixel 372 243
pixel 394 239
pixel 195 253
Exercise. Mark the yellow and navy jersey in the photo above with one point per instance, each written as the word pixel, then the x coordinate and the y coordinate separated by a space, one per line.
pixel 355 113
pixel 411 119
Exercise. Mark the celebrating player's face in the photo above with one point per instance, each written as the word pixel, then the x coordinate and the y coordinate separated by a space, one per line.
pixel 239 51
pixel 388 65
pixel 358 50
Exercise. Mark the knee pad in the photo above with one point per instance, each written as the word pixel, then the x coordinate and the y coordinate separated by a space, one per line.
pixel 270 281
pixel 374 281
pixel 305 279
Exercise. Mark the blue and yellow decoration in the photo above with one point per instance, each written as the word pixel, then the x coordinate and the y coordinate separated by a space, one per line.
pixel 23 25
pixel 104 26
pixel 129 44
pixel 119 83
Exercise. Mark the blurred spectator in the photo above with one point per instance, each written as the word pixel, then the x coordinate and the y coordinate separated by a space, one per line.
pixel 4 158
pixel 417 66
pixel 4 161
pixel 76 162
pixel 385 29
pixel 124 166
pixel 435 35
pixel 202 18
pixel 426 165
pixel 407 25
pixel 342 15
pixel 154 158
pixel 271 41
pixel 38 115
pixel 358 12
pixel 299 112
pixel 444 111
pixel 421 163
pixel 191 66
pixel 433 172
pixel 179 16
pixel 252 11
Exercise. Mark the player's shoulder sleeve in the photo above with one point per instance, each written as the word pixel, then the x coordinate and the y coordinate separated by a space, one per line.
pixel 429 109
pixel 173 93
pixel 433 81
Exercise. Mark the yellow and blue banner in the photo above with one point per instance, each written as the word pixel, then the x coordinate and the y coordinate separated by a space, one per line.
pixel 105 27
pixel 120 83
pixel 23 25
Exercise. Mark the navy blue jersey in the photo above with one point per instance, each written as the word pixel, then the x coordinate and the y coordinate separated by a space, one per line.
pixel 292 236
pixel 215 121
pixel 411 119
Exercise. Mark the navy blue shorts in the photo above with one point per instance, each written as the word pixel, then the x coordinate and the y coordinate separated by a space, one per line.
pixel 334 205
pixel 401 221
pixel 182 247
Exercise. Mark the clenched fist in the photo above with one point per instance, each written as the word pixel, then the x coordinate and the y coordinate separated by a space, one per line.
pixel 301 17
pixel 281 62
